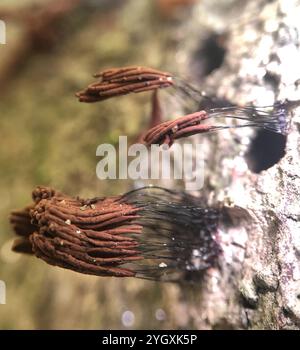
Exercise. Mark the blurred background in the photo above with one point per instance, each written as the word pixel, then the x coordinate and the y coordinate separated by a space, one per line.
pixel 49 138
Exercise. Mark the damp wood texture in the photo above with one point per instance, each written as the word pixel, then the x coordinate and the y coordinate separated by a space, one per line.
pixel 257 286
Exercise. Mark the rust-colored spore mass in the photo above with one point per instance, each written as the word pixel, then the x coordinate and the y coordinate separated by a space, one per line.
pixel 167 132
pixel 122 81
pixel 272 118
pixel 21 223
pixel 84 237
pixel 138 234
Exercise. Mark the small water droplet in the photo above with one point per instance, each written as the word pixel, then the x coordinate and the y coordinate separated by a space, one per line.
pixel 160 315
pixel 128 318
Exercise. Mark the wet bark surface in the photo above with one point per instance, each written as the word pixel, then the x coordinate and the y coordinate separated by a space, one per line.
pixel 254 60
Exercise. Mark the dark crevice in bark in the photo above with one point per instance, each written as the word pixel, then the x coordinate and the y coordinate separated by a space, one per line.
pixel 210 55
pixel 266 150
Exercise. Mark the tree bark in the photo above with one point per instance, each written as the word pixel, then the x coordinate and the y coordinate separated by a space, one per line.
pixel 257 285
